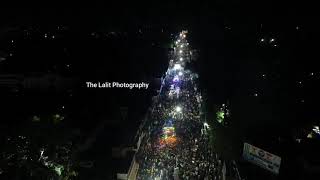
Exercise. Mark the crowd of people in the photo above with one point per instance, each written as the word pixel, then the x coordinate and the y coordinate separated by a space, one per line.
pixel 187 155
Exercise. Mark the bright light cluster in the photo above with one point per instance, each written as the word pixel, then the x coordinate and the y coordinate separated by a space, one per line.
pixel 316 129
pixel 177 67
pixel 178 109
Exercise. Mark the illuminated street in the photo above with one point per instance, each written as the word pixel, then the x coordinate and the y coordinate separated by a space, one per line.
pixel 176 144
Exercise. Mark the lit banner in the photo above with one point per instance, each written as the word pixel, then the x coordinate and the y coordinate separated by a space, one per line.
pixel 261 158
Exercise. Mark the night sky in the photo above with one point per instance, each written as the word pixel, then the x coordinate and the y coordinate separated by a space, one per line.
pixel 259 57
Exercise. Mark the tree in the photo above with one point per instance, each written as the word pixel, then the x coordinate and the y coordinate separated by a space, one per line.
pixel 42 149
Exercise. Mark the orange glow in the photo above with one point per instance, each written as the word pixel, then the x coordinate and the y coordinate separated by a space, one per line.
pixel 169 141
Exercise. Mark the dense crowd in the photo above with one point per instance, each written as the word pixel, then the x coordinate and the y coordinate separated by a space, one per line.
pixel 178 105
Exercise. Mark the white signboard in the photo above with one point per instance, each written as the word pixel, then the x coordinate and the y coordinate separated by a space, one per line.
pixel 261 158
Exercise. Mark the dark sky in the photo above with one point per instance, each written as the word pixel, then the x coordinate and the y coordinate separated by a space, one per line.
pixel 98 14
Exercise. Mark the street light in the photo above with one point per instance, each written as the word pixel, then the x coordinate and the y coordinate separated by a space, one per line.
pixel 177 66
pixel 178 109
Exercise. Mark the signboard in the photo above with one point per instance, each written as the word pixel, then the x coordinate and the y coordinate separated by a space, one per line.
pixel 261 158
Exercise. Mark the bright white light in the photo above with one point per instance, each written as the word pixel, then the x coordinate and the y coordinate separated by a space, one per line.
pixel 178 109
pixel 262 40
pixel 180 51
pixel 41 152
pixel 181 59
pixel 178 40
pixel 271 40
pixel 177 66
pixel 181 46
pixel 184 36
pixel 180 73
pixel 316 129
pixel 206 125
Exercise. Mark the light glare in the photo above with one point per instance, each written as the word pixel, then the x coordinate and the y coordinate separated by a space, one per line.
pixel 177 66
pixel 178 109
